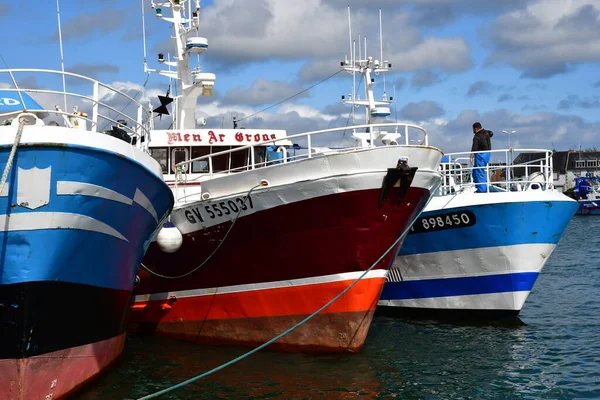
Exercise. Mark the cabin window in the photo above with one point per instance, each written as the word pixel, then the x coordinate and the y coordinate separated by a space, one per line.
pixel 580 164
pixel 200 166
pixel 239 160
pixel 180 154
pixel 259 156
pixel 220 163
pixel 161 154
pixel 592 163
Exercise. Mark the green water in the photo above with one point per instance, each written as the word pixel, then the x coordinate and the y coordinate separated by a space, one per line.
pixel 553 352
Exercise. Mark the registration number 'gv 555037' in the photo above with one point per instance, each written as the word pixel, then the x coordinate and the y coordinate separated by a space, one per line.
pixel 226 209
pixel 460 219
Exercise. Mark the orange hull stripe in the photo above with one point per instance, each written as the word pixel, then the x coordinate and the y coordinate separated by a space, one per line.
pixel 298 300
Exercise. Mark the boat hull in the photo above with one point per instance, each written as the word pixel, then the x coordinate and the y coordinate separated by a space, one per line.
pixel 302 245
pixel 253 317
pixel 482 261
pixel 588 207
pixel 76 221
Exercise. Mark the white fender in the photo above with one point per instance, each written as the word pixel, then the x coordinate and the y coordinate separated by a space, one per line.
pixel 169 238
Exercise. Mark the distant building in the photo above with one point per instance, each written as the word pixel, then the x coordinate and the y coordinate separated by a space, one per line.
pixel 568 165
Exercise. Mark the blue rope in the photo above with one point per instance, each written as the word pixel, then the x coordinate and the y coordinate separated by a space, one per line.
pixel 262 346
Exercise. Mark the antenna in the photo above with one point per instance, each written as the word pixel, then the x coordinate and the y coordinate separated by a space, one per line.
pixel 62 58
pixel 350 36
pixel 395 111
pixel 174 116
pixel 381 48
pixel 144 34
pixel 353 83
pixel 352 60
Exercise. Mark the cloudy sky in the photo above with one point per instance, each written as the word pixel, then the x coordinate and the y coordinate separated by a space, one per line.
pixel 532 66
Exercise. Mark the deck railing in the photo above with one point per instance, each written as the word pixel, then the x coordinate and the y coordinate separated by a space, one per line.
pixel 502 173
pixel 102 106
pixel 254 158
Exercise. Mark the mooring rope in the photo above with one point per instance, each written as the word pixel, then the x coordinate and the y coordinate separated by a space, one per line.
pixel 262 346
pixel 11 156
pixel 216 248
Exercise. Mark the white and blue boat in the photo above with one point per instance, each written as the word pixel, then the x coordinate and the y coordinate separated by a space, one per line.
pixel 79 206
pixel 478 255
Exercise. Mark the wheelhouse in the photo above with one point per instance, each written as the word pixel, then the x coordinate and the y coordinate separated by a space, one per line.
pixel 171 148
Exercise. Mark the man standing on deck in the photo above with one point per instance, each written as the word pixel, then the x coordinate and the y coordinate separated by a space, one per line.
pixel 481 142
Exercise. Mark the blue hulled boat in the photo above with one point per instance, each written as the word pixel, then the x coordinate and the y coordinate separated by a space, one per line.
pixel 478 255
pixel 78 209
pixel 587 193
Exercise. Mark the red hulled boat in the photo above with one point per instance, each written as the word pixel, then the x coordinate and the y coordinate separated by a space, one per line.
pixel 260 238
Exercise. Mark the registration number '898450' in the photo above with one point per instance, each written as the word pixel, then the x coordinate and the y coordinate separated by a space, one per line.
pixel 440 222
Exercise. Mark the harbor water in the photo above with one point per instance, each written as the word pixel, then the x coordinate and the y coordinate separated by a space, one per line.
pixel 551 352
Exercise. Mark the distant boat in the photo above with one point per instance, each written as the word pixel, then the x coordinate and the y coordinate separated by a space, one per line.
pixel 78 209
pixel 587 193
pixel 477 255
pixel 261 237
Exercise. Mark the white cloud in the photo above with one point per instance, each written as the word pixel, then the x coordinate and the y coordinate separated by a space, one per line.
pixel 548 37
pixel 317 32
pixel 262 92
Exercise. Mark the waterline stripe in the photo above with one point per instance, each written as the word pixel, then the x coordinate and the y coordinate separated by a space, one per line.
pixel 377 273
pixel 515 282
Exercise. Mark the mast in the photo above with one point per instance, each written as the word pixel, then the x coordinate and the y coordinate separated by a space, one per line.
pixel 376 111
pixel 190 84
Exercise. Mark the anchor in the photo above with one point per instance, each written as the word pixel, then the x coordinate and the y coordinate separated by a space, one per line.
pixel 403 173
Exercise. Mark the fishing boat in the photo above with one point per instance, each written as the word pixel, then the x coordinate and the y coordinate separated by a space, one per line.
pixel 80 201
pixel 477 255
pixel 269 227
pixel 587 194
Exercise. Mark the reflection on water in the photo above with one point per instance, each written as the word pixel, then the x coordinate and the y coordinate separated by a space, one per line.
pixel 552 352
pixel 151 364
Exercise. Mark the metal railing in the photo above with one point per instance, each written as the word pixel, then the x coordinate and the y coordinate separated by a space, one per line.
pixel 102 113
pixel 305 152
pixel 308 151
pixel 500 176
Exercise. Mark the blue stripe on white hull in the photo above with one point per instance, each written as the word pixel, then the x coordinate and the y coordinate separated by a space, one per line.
pixel 457 279
pixel 489 265
pixel 491 302
pixel 78 215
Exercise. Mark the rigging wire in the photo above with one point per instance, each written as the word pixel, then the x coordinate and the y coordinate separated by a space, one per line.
pixel 147 73
pixel 291 97
pixel 62 58
pixel 134 97
pixel 348 120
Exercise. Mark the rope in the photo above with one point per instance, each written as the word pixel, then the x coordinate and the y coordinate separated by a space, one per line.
pixel 11 156
pixel 214 251
pixel 291 97
pixel 262 346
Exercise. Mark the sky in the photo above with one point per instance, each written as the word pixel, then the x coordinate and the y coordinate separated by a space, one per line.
pixel 532 66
